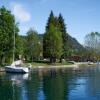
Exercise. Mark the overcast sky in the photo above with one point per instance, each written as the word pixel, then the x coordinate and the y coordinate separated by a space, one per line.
pixel 81 16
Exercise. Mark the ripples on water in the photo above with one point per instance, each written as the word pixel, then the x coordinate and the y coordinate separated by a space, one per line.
pixel 52 84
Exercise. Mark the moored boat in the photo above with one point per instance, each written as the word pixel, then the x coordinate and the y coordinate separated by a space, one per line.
pixel 17 67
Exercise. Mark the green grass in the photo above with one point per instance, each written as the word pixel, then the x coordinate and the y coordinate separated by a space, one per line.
pixel 47 64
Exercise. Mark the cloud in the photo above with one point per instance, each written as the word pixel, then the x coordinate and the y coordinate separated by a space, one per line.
pixel 20 13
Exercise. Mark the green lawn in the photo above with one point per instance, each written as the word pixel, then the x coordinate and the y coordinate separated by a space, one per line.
pixel 47 64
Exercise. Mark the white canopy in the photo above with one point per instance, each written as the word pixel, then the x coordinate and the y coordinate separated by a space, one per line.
pixel 15 63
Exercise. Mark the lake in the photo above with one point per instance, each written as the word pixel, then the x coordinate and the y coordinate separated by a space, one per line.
pixel 52 84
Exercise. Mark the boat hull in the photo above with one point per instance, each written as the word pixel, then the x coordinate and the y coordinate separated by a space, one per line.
pixel 16 69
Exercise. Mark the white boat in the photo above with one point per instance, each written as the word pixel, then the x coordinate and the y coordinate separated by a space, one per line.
pixel 16 67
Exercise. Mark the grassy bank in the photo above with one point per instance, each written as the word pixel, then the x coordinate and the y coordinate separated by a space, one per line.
pixel 47 64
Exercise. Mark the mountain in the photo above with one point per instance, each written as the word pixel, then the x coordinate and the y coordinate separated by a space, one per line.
pixel 72 42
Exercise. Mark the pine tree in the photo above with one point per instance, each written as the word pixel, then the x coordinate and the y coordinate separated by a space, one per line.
pixel 52 41
pixel 64 34
pixel 50 20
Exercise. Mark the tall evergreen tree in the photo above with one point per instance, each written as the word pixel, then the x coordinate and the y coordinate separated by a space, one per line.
pixel 64 34
pixel 52 41
pixel 51 19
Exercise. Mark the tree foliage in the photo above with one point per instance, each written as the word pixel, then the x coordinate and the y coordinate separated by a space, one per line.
pixel 7 26
pixel 33 45
pixel 56 42
pixel 92 44
pixel 52 41
pixel 62 27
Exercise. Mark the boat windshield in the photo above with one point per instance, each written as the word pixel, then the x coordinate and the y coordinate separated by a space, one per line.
pixel 17 63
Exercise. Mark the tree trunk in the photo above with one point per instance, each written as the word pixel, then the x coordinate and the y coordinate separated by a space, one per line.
pixel 52 60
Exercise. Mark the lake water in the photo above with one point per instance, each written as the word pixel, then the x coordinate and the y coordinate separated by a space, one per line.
pixel 52 84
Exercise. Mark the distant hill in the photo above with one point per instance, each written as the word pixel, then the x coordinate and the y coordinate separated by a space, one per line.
pixel 72 42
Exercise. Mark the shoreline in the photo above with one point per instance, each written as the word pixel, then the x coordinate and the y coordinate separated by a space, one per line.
pixel 75 65
pixel 56 66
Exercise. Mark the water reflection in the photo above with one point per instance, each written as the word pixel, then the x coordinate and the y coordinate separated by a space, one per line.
pixel 55 87
pixel 52 84
pixel 12 87
pixel 19 86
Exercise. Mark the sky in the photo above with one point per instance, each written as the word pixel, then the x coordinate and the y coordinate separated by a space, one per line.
pixel 81 16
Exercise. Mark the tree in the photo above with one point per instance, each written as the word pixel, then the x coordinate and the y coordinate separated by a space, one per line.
pixel 33 45
pixel 7 26
pixel 19 47
pixel 51 19
pixel 52 40
pixel 92 44
pixel 64 35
